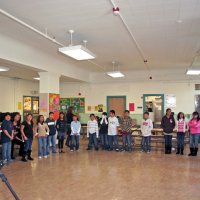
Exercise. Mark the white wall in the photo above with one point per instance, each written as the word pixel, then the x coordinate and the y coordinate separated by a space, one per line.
pixel 96 93
pixel 12 92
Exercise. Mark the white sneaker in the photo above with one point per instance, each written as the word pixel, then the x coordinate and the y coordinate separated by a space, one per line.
pixel 148 151
pixel 141 151
pixel 40 157
pixel 71 150
pixel 45 156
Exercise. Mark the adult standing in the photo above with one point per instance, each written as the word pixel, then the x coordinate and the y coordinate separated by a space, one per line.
pixel 194 127
pixel 27 135
pixel 168 125
pixel 69 119
pixel 17 135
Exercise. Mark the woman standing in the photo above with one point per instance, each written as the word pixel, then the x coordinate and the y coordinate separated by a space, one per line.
pixel 194 127
pixel 69 119
pixel 181 128
pixel 61 128
pixel 27 135
pixel 42 131
pixel 17 135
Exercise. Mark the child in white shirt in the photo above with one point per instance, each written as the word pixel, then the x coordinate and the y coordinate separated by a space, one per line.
pixel 113 125
pixel 146 128
pixel 92 132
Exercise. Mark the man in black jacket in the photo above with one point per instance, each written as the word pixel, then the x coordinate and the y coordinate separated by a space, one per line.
pixel 168 125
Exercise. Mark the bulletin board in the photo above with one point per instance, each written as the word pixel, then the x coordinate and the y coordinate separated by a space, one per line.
pixel 78 104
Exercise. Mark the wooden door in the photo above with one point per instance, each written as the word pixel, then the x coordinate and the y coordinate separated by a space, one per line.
pixel 117 103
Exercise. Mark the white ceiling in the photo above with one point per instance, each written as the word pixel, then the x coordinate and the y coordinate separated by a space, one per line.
pixel 166 43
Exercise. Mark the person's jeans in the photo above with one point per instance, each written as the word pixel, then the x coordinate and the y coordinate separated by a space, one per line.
pixel 104 140
pixel 42 146
pixel 168 141
pixel 146 143
pixel 61 137
pixel 68 135
pixel 51 139
pixel 113 139
pixel 180 140
pixel 74 143
pixel 127 141
pixel 28 144
pixel 6 151
pixel 21 149
pixel 92 140
pixel 194 140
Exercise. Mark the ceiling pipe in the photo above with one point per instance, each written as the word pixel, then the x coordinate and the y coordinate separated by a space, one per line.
pixel 39 32
pixel 140 51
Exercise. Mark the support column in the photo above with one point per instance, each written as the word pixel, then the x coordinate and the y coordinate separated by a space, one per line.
pixel 49 93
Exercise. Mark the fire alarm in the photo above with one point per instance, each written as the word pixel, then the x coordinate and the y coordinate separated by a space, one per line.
pixel 116 11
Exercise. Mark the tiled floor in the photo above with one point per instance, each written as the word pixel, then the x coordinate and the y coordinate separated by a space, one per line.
pixel 103 175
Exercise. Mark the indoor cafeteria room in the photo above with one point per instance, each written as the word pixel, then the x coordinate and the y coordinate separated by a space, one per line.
pixel 100 100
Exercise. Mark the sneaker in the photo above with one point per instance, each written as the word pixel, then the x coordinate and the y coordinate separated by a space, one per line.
pixel 117 149
pixel 5 161
pixel 141 151
pixel 148 151
pixel 45 156
pixel 40 157
pixel 72 150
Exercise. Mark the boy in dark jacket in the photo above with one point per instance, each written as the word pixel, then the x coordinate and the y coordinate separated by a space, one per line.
pixel 168 125
pixel 6 138
pixel 52 132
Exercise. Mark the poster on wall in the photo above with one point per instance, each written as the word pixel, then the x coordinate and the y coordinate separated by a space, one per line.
pixel 197 103
pixel 43 103
pixel 27 104
pixel 54 104
pixel 100 108
pixel 78 104
pixel 170 100
pixel 131 107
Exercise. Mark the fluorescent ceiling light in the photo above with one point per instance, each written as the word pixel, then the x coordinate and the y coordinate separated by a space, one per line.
pixel 4 69
pixel 37 78
pixel 77 52
pixel 193 72
pixel 115 74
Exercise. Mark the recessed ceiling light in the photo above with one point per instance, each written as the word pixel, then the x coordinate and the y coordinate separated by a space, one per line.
pixel 179 21
pixel 193 72
pixel 37 78
pixel 115 74
pixel 4 69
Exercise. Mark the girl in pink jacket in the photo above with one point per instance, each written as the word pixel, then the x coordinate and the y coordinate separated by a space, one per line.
pixel 194 127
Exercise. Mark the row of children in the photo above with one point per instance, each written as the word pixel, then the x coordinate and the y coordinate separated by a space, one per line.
pixel 15 132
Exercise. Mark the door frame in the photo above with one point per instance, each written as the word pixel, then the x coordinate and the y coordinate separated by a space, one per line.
pixel 163 101
pixel 110 97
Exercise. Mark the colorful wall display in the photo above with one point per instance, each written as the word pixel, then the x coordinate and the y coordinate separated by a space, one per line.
pixel 54 104
pixel 131 107
pixel 78 104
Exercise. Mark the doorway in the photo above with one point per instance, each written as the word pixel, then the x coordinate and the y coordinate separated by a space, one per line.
pixel 154 104
pixel 117 103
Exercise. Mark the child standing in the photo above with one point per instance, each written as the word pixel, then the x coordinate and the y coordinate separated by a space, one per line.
pixel 126 124
pixel 61 128
pixel 51 139
pixel 75 133
pixel 181 128
pixel 194 126
pixel 42 131
pixel 92 132
pixel 113 125
pixel 103 131
pixel 27 135
pixel 168 125
pixel 6 138
pixel 146 128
